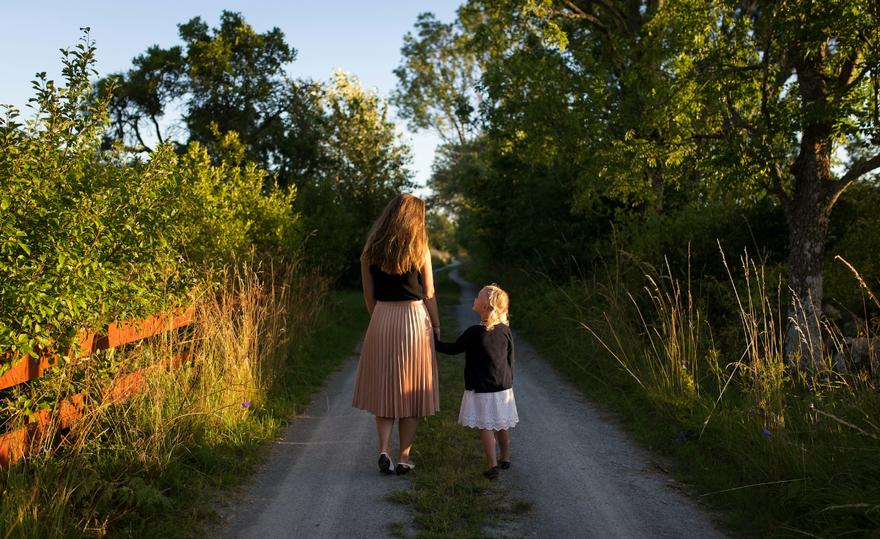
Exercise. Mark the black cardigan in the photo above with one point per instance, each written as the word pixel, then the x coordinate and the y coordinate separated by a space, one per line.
pixel 488 357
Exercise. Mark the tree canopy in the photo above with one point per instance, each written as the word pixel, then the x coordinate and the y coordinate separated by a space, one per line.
pixel 333 141
pixel 602 114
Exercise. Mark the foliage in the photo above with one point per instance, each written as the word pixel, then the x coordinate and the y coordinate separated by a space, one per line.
pixel 231 77
pixel 365 165
pixel 90 235
pixel 603 115
pixel 334 143
pixel 853 237
pixel 441 231
pixel 150 466
pixel 437 80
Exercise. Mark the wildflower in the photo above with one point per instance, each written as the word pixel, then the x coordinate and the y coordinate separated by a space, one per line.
pixel 812 407
pixel 766 433
pixel 246 404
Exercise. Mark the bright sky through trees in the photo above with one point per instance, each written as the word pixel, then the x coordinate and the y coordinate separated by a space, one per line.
pixel 360 37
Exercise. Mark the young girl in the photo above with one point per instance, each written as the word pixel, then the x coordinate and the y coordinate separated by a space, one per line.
pixel 488 402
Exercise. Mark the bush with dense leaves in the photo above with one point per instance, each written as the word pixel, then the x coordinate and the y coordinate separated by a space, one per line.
pixel 91 235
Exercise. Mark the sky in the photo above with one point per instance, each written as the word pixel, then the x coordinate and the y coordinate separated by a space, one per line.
pixel 362 37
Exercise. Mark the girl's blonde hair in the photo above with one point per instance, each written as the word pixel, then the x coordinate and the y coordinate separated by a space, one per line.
pixel 398 241
pixel 499 302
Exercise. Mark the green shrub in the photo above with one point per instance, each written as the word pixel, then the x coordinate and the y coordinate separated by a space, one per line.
pixel 90 235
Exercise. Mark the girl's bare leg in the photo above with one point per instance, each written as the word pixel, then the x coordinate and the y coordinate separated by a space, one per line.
pixel 407 427
pixel 383 428
pixel 503 437
pixel 487 436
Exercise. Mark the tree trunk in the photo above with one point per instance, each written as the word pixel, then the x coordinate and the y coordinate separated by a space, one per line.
pixel 807 213
pixel 808 228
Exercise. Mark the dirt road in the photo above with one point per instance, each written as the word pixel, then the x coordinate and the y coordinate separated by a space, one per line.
pixel 582 474
pixel 320 478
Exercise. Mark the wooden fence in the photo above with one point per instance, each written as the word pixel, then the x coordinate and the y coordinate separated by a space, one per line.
pixel 14 444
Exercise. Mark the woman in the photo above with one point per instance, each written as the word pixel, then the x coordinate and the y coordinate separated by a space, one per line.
pixel 397 373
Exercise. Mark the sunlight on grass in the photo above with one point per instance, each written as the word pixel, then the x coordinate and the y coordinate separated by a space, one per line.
pixel 147 466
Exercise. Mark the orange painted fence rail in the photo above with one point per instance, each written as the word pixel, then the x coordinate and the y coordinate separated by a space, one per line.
pixel 14 444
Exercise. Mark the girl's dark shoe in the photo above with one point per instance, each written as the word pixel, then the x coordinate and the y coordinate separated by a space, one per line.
pixel 505 464
pixel 384 464
pixel 491 473
pixel 403 468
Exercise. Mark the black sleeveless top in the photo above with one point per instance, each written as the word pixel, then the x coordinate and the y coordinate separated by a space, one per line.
pixel 403 287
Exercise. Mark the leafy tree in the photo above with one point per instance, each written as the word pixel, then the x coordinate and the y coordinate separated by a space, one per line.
pixel 796 86
pixel 441 232
pixel 332 142
pixel 90 235
pixel 437 80
pixel 143 95
pixel 364 166
pixel 654 106
pixel 224 79
pixel 795 83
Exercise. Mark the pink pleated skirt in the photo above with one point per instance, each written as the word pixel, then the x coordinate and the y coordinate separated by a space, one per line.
pixel 397 372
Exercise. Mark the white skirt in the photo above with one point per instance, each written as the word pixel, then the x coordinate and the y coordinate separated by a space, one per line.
pixel 495 411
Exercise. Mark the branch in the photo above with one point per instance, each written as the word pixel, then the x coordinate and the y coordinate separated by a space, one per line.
pixel 578 14
pixel 854 173
pixel 618 16
pixel 708 136
pixel 736 118
pixel 156 126
pixel 850 82
pixel 846 70
pixel 778 188
pixel 137 132
pixel 655 5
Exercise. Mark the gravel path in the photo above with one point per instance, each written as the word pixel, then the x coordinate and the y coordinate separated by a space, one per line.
pixel 320 479
pixel 581 473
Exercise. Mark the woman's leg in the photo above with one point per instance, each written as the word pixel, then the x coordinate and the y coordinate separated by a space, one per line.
pixel 383 428
pixel 487 436
pixel 407 427
pixel 503 437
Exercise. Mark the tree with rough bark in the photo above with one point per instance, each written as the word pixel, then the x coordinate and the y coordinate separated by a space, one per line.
pixel 768 98
pixel 796 86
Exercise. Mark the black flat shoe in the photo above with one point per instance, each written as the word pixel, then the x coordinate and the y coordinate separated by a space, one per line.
pixel 491 473
pixel 385 464
pixel 505 465
pixel 403 468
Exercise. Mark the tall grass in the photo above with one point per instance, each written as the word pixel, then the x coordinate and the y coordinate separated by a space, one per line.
pixel 663 357
pixel 789 450
pixel 139 466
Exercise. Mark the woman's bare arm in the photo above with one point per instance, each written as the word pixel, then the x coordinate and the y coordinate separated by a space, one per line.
pixel 430 297
pixel 367 282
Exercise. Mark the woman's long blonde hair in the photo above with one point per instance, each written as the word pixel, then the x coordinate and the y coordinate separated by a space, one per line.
pixel 398 241
pixel 500 303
